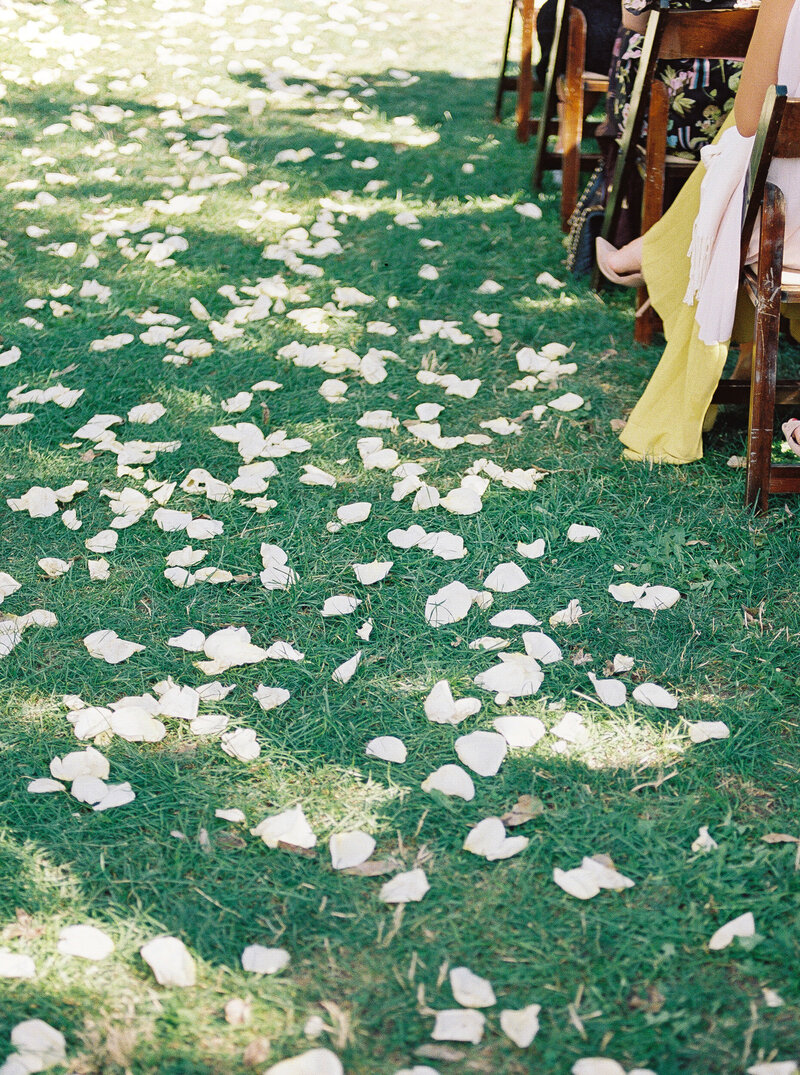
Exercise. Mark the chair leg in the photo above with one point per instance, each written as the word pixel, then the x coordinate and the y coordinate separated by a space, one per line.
pixel 761 423
pixel 525 82
pixel 653 199
pixel 501 81
pixel 572 122
pixel 547 120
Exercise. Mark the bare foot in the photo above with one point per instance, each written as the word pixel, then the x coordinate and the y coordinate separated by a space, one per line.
pixel 791 430
pixel 628 259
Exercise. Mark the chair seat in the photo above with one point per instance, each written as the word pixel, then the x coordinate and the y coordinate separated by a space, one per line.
pixel 790 284
pixel 595 83
pixel 591 84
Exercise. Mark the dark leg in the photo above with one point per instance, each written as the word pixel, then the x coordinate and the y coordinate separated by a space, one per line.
pixel 501 82
pixel 765 355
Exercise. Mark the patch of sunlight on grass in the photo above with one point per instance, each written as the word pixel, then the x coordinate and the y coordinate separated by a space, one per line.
pixel 183 401
pixel 625 742
pixel 334 798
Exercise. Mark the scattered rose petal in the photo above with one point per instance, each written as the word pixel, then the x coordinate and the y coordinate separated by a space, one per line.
pixel 488 840
pixel 313 1062
pixel 469 990
pixel 506 578
pixel 700 731
pixel 519 732
pixel 409 887
pixel 522 1025
pixel 482 752
pixel 260 960
pixel 85 942
pixel 579 533
pixel 350 849
pixel 170 961
pixel 652 695
pixel 450 780
pixel 109 647
pixel 387 748
pixel 743 926
pixel 368 574
pixel 289 827
pixel 459 1024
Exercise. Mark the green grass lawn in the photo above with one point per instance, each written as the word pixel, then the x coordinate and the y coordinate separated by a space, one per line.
pixel 187 92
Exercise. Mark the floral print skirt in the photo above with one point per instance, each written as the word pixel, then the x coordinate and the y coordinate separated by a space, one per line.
pixel 701 94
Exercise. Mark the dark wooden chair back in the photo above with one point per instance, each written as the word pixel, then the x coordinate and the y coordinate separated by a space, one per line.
pixel 577 92
pixel 777 137
pixel 524 84
pixel 548 120
pixel 706 35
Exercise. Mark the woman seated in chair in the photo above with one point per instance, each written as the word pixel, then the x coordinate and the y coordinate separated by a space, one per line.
pixel 701 96
pixel 690 258
pixel 602 21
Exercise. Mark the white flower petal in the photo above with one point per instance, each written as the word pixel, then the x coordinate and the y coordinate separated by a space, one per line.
pixel 450 780
pixel 260 960
pixel 409 887
pixel 470 990
pixel 241 743
pixel 506 578
pixel 522 1025
pixel 368 574
pixel 85 942
pixel 700 731
pixel 170 961
pixel 482 752
pixel 520 732
pixel 313 1062
pixel 653 695
pixel 459 1024
pixel 449 604
pixel 289 827
pixel 579 533
pixel 350 849
pixel 743 926
pixel 532 551
pixel 612 692
pixel 387 748
pixel 542 647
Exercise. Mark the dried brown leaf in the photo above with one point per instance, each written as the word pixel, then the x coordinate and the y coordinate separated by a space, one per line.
pixel 375 868
pixel 653 1002
pixel 24 928
pixel 256 1052
pixel 232 840
pixel 524 809
pixel 780 838
pixel 440 1052
pixel 305 851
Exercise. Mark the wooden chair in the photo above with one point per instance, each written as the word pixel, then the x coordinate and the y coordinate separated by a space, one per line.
pixel 524 84
pixel 578 91
pixel 770 286
pixel 670 35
